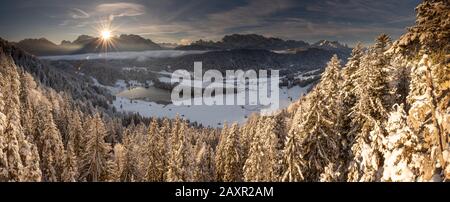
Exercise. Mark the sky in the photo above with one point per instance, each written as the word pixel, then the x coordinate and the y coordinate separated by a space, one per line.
pixel 183 21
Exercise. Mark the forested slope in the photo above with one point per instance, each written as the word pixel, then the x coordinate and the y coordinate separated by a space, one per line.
pixel 384 116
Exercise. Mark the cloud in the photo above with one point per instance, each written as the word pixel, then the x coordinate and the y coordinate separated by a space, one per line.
pixel 77 13
pixel 251 14
pixel 310 20
pixel 344 20
pixel 366 11
pixel 79 18
pixel 213 25
pixel 297 28
pixel 162 29
pixel 121 9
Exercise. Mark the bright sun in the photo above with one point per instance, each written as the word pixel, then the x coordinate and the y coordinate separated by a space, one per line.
pixel 106 35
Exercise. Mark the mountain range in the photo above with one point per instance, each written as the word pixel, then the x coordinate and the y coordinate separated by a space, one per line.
pixel 88 44
pixel 254 41
pixel 248 41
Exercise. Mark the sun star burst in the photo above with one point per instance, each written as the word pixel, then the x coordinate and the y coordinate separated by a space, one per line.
pixel 105 32
pixel 106 35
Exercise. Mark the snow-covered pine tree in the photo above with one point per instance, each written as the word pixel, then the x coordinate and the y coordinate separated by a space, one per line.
pixel 425 49
pixel 18 159
pixel 281 129
pixel 319 132
pixel 70 170
pixel 116 167
pixel 29 151
pixel 26 106
pixel 11 163
pixel 130 168
pixel 367 156
pixel 403 153
pixel 429 113
pixel 97 152
pixel 248 131
pixel 61 115
pixel 399 76
pixel 331 79
pixel 138 153
pixel 430 34
pixel 292 159
pixel 51 146
pixel 76 133
pixel 231 156
pixel 174 133
pixel 347 92
pixel 154 151
pixel 32 169
pixel 372 82
pixel 204 164
pixel 347 98
pixel 164 131
pixel 255 157
pixel 262 162
pixel 180 158
pixel 370 113
pixel 220 152
pixel 115 130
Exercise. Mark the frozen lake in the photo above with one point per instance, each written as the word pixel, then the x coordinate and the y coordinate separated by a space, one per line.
pixel 213 116
pixel 156 102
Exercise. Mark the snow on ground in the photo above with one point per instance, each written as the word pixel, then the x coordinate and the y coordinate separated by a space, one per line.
pixel 150 93
pixel 131 100
pixel 307 75
pixel 166 73
pixel 141 56
pixel 206 115
pixel 213 116
pixel 117 88
pixel 228 81
pixel 164 79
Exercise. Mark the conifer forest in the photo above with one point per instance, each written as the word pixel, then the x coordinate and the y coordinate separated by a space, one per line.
pixel 379 114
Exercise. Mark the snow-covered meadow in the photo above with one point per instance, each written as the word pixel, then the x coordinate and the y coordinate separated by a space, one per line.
pixel 213 116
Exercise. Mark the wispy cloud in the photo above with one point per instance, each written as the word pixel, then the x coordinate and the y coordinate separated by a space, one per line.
pixel 213 26
pixel 174 20
pixel 77 13
pixel 121 9
pixel 78 18
pixel 366 11
pixel 251 14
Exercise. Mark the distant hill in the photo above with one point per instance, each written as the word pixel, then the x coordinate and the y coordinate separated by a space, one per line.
pixel 41 46
pixel 168 45
pixel 121 43
pixel 83 40
pixel 329 45
pixel 248 41
pixel 86 44
pixel 253 41
pixel 305 60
